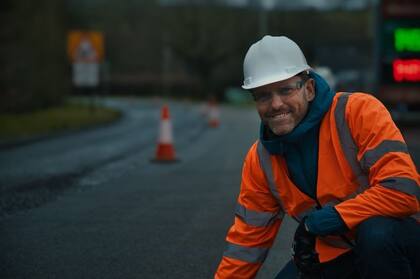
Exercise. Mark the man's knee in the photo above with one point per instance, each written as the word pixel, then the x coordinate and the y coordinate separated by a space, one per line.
pixel 387 247
pixel 376 235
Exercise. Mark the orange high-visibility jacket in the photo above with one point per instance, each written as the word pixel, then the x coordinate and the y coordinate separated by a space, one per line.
pixel 364 169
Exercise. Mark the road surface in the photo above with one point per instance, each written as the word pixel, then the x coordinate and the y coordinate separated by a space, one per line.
pixel 92 205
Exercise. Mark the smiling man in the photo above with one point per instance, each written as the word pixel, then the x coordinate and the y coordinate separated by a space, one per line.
pixel 282 105
pixel 336 163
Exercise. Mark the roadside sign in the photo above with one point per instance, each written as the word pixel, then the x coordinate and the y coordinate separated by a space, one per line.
pixel 85 50
pixel 87 46
pixel 85 74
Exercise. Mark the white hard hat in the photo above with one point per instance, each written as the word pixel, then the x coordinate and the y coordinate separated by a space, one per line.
pixel 272 59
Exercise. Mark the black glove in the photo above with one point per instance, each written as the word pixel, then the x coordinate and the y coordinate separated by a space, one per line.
pixel 304 254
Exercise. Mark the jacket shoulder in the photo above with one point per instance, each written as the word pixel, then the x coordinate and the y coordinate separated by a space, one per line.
pixel 369 120
pixel 362 106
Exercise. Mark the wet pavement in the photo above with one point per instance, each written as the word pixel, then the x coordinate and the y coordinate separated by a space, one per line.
pixel 93 205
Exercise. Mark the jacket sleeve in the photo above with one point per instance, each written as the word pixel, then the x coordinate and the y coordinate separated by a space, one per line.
pixel 256 223
pixel 393 188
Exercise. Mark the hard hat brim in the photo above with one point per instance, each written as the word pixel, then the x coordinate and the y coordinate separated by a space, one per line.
pixel 275 78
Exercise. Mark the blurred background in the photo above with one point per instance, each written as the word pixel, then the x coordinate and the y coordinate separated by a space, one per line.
pixel 149 190
pixel 190 49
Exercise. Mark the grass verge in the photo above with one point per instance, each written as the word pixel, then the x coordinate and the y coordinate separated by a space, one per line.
pixel 71 116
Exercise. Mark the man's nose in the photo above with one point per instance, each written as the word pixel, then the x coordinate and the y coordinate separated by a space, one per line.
pixel 276 101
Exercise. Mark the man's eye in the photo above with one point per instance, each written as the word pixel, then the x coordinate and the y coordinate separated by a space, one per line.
pixel 262 96
pixel 286 91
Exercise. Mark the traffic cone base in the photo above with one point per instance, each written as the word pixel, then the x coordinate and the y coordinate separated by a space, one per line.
pixel 214 123
pixel 165 152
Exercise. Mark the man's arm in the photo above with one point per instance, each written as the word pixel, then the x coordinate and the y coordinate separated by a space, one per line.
pixel 394 182
pixel 256 224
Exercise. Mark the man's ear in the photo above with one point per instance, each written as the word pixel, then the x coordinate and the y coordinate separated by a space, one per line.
pixel 310 90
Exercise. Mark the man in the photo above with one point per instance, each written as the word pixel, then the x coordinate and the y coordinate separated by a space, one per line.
pixel 336 163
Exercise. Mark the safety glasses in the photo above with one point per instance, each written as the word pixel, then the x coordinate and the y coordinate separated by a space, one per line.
pixel 283 92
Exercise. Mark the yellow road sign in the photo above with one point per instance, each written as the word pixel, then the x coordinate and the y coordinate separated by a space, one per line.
pixel 85 46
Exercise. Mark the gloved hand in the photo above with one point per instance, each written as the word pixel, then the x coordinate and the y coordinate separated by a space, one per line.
pixel 325 221
pixel 304 254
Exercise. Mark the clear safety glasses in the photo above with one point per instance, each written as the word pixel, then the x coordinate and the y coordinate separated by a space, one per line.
pixel 284 92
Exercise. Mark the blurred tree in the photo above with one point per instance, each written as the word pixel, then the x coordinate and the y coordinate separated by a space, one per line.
pixel 196 50
pixel 32 54
pixel 209 41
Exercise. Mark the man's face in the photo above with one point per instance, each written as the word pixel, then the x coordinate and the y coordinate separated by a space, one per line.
pixel 282 105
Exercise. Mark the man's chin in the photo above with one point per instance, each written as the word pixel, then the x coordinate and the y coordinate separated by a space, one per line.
pixel 281 131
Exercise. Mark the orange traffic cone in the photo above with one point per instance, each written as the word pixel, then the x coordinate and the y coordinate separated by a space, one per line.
pixel 165 151
pixel 213 114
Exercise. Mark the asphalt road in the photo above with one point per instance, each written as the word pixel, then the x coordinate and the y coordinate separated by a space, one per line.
pixel 117 215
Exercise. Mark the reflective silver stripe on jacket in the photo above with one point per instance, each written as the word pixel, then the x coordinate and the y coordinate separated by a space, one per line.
pixel 405 185
pixel 266 166
pixel 246 254
pixel 256 218
pixel 402 184
pixel 346 140
pixel 372 156
pixel 265 163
